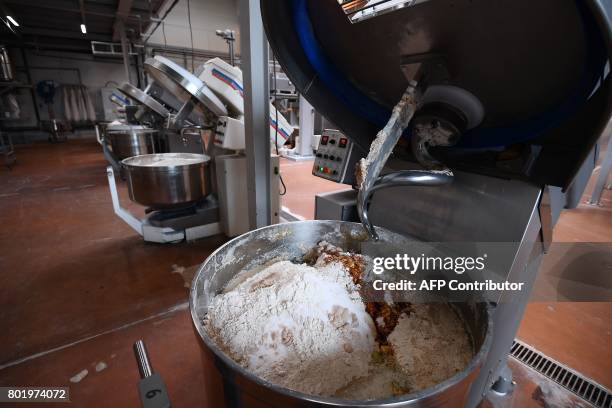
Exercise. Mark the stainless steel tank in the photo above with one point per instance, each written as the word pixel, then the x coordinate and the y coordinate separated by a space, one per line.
pixel 167 180
pixel 228 384
pixel 132 140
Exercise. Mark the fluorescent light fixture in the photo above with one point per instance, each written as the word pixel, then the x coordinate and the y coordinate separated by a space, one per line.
pixel 12 20
pixel 83 29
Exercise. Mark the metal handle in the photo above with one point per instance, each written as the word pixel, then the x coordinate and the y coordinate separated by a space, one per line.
pixel 151 388
pixel 192 128
pixel 142 358
pixel 99 136
pixel 427 178
pixel 188 128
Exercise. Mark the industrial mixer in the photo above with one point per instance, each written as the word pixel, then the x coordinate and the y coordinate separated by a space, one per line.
pixel 190 115
pixel 509 99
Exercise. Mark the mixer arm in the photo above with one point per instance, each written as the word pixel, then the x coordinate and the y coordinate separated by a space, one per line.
pixel 427 178
pixel 108 154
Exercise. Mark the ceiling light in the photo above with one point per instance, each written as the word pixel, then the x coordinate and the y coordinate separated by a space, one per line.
pixel 83 29
pixel 12 20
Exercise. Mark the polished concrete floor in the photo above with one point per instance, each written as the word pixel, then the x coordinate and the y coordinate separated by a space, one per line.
pixel 78 287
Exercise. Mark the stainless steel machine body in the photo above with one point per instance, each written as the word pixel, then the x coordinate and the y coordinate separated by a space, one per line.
pixel 542 99
pixel 292 241
pixel 182 180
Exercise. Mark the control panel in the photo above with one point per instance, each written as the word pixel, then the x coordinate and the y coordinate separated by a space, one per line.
pixel 334 160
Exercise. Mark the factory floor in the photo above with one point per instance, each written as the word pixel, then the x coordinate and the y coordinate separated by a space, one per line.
pixel 78 287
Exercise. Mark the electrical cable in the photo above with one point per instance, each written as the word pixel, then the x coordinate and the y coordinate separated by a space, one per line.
pixel 190 32
pixel 168 10
pixel 164 34
pixel 280 176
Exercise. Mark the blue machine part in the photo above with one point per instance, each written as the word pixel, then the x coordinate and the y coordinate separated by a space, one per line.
pixel 119 99
pixel 46 90
pixel 521 131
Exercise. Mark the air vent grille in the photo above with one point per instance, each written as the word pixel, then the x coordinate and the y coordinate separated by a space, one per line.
pixel 569 379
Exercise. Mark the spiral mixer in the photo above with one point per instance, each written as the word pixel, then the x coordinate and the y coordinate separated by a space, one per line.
pixel 191 116
pixel 510 98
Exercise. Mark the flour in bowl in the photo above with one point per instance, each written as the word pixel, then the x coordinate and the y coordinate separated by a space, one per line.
pixel 298 326
pixel 308 329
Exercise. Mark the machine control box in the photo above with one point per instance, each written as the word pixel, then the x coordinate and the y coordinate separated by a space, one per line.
pixel 229 133
pixel 334 159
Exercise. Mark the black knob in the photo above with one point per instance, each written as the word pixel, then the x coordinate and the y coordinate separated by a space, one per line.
pixel 319 155
pixel 339 159
pixel 333 141
pixel 332 157
pixel 325 156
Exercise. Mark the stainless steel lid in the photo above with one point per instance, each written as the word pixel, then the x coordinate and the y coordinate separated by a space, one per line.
pixel 143 98
pixel 185 86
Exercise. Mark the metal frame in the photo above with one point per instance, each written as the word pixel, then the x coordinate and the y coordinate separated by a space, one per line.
pixel 303 149
pixel 7 150
pixel 153 233
pixel 254 53
pixel 511 307
pixel 121 212
pixel 604 171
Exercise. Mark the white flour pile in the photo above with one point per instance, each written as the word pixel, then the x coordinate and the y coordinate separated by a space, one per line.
pixel 301 327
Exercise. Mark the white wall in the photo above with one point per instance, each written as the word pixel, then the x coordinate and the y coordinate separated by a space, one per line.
pixel 94 73
pixel 206 17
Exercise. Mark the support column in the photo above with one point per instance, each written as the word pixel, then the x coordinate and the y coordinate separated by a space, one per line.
pixel 254 64
pixel 124 49
pixel 604 169
pixel 307 116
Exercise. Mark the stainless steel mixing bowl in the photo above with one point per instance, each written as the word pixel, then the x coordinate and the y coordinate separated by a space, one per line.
pixel 228 384
pixel 167 180
pixel 131 140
